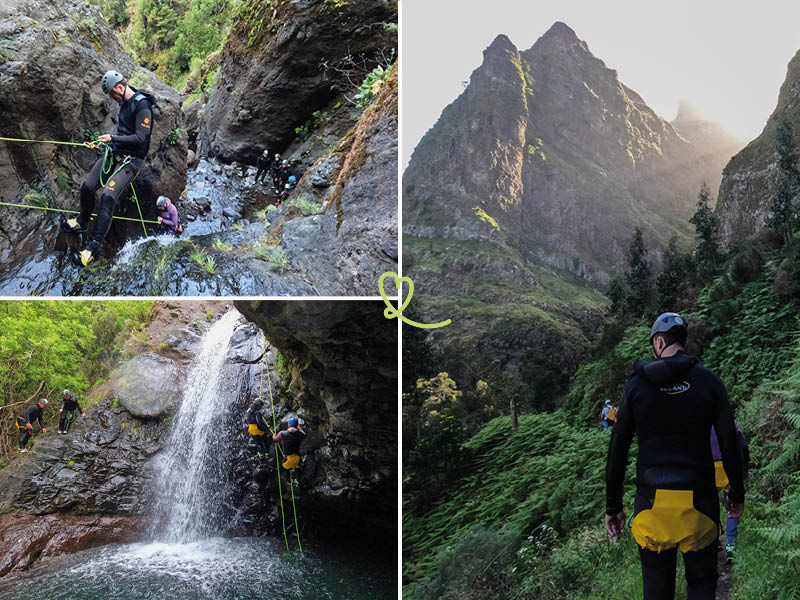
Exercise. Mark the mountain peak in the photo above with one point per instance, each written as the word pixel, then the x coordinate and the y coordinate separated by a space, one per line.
pixel 561 30
pixel 500 44
pixel 687 112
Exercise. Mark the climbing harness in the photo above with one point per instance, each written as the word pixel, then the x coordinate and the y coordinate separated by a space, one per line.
pixel 277 451
pixel 104 170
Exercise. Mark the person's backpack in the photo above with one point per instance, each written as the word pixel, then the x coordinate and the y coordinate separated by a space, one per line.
pixel 612 414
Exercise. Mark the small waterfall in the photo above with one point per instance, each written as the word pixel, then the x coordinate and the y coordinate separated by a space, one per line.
pixel 196 458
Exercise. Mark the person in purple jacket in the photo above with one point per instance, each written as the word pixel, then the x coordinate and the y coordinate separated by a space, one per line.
pixel 732 524
pixel 168 215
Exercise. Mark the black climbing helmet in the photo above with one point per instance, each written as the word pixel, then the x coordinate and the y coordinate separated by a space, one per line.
pixel 258 403
pixel 110 79
pixel 667 321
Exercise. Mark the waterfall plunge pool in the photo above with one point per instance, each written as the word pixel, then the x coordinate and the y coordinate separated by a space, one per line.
pixel 211 569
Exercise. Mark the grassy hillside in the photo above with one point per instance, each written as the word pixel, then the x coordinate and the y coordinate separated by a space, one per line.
pixel 520 514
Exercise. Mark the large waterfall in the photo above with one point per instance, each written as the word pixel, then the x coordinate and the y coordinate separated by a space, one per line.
pixel 190 481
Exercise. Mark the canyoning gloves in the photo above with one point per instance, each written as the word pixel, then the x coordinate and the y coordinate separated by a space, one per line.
pixel 74 226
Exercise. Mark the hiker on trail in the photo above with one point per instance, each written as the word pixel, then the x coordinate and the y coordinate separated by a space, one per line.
pixel 290 439
pixel 732 524
pixel 168 216
pixel 129 147
pixel 608 415
pixel 257 426
pixel 288 187
pixel 69 404
pixel 263 166
pixel 35 412
pixel 671 404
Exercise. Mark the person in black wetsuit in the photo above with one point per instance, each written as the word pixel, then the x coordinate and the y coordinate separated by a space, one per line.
pixel 263 166
pixel 35 412
pixel 290 440
pixel 69 404
pixel 257 426
pixel 129 149
pixel 671 404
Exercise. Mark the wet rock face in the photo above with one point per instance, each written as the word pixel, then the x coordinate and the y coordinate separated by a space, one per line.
pixel 148 385
pixel 271 79
pixel 342 365
pixel 51 63
pixel 26 539
pixel 354 240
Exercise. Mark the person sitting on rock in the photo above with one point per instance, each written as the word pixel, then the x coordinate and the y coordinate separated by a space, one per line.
pixel 168 216
pixel 115 171
pixel 257 427
pixel 35 412
pixel 290 184
pixel 263 166
pixel 290 439
pixel 69 404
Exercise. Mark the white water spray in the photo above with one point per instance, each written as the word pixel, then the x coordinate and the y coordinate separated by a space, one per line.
pixel 189 469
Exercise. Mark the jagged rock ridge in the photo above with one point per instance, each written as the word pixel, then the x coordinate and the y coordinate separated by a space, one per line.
pixel 750 179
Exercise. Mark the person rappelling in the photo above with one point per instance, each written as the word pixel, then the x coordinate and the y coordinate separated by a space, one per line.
pixel 24 423
pixel 116 169
pixel 257 427
pixel 69 404
pixel 290 440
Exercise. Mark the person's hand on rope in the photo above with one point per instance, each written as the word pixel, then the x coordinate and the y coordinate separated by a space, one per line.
pixel 29 426
pixel 105 138
pixel 44 429
pixel 60 410
pixel 160 219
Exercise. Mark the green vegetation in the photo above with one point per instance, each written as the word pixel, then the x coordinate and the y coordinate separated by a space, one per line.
pixel 490 510
pixel 173 38
pixel 485 218
pixel 317 120
pixel 62 345
pixel 198 256
pixel 36 199
pixel 174 136
pixel 210 265
pixel 372 83
pixel 274 256
pixel 222 246
pixel 62 178
pixel 306 206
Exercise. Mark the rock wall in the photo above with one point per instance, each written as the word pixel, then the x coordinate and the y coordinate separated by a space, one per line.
pixel 51 62
pixel 341 368
pixel 751 177
pixel 271 78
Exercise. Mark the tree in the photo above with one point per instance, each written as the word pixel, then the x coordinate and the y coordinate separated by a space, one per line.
pixel 638 277
pixel 783 211
pixel 706 227
pixel 672 279
pixel 617 293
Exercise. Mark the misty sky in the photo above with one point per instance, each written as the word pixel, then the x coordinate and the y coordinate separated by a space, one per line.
pixel 728 58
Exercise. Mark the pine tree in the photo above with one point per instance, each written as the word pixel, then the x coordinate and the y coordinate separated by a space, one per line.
pixel 616 293
pixel 706 226
pixel 672 279
pixel 638 277
pixel 783 211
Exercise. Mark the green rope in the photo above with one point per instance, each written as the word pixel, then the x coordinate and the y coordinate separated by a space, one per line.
pixel 136 200
pixel 44 142
pixel 275 445
pixel 296 528
pixel 105 169
pixel 75 212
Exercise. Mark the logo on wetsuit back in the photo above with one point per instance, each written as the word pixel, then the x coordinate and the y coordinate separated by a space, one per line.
pixel 676 388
